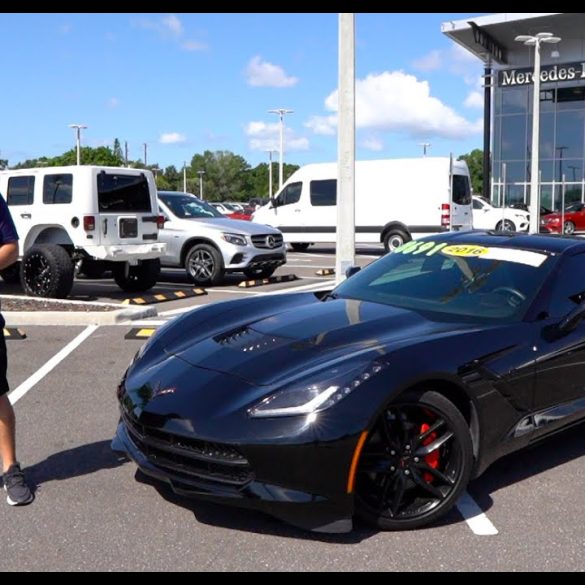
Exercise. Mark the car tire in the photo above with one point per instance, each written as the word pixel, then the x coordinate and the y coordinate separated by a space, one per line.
pixel 395 238
pixel 569 228
pixel 93 268
pixel 11 275
pixel 505 225
pixel 254 273
pixel 300 247
pixel 204 265
pixel 400 483
pixel 47 271
pixel 139 278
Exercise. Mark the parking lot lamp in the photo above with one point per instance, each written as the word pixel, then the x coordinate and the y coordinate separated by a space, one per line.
pixel 535 41
pixel 78 128
pixel 281 112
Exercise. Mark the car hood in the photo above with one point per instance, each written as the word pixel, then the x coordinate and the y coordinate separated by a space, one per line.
pixel 225 224
pixel 294 341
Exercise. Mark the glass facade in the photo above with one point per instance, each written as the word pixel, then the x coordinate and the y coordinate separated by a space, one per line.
pixel 562 143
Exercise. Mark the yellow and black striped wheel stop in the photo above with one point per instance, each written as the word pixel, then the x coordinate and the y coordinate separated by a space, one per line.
pixel 270 280
pixel 165 297
pixel 325 272
pixel 140 333
pixel 10 333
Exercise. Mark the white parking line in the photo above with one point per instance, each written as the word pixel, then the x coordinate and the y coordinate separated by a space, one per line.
pixel 17 394
pixel 476 519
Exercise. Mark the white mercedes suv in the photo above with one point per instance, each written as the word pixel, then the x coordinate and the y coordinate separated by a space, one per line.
pixel 209 245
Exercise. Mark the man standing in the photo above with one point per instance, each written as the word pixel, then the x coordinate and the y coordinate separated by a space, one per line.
pixel 17 491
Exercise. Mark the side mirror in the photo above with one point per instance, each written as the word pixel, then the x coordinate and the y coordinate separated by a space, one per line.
pixel 570 322
pixel 351 271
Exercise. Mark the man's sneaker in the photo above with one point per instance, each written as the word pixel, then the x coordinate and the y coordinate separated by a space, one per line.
pixel 17 492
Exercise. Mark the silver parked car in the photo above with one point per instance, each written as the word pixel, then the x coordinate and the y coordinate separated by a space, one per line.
pixel 208 244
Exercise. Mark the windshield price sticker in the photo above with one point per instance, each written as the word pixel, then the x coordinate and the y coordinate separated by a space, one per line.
pixel 473 251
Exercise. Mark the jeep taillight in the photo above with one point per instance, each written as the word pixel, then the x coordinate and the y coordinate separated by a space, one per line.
pixel 89 223
pixel 160 222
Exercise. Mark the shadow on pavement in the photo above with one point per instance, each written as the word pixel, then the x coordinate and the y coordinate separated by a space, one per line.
pixel 75 462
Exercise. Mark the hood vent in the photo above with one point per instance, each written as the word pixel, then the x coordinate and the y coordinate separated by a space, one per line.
pixel 248 340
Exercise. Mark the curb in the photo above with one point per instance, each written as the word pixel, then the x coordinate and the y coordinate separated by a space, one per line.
pixel 269 280
pixel 17 318
pixel 165 297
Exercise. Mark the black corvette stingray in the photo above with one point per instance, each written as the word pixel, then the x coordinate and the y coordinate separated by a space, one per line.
pixel 382 398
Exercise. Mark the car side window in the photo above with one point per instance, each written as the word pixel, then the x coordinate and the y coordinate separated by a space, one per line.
pixel 477 204
pixel 569 287
pixel 291 194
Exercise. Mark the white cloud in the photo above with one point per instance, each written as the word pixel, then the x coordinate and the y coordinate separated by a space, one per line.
pixel 113 103
pixel 474 100
pixel 429 62
pixel 191 45
pixel 261 73
pixel 372 143
pixel 264 136
pixel 398 102
pixel 172 25
pixel 172 138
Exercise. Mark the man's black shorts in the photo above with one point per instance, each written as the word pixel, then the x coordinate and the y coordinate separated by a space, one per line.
pixel 3 364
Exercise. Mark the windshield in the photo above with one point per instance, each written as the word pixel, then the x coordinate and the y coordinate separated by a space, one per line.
pixel 473 282
pixel 186 206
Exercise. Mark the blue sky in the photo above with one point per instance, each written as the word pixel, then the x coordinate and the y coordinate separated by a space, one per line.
pixel 184 83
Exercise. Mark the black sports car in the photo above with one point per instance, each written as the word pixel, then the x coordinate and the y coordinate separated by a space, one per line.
pixel 382 398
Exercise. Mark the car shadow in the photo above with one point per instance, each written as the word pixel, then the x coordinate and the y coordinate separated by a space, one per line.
pixel 75 462
pixel 547 455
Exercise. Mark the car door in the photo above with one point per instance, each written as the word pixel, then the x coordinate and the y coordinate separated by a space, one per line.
pixel 560 360
pixel 288 216
pixel 480 214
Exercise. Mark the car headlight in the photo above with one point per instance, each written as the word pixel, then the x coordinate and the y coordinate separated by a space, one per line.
pixel 235 239
pixel 319 394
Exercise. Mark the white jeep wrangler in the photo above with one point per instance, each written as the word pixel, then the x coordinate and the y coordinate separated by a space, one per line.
pixel 83 218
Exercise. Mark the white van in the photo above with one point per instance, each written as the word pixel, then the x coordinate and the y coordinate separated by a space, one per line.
pixel 90 217
pixel 395 201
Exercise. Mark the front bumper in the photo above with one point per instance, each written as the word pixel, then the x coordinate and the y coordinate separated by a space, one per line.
pixel 238 258
pixel 132 253
pixel 306 510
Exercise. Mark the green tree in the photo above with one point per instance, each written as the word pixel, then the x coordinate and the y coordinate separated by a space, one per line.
pixel 474 161
pixel 226 176
pixel 3 164
pixel 117 151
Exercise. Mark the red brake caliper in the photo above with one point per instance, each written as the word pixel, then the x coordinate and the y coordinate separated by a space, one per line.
pixel 432 459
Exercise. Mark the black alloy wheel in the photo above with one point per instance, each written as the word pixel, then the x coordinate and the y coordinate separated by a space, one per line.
pixel 415 464
pixel 47 271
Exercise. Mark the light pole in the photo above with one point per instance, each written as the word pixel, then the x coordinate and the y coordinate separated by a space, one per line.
pixel 270 151
pixel 78 128
pixel 281 113
pixel 185 176
pixel 535 41
pixel 425 146
pixel 201 173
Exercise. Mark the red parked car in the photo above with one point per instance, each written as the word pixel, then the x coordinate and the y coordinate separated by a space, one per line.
pixel 574 220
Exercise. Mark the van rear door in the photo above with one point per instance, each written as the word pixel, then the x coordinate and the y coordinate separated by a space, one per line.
pixel 125 206
pixel 461 208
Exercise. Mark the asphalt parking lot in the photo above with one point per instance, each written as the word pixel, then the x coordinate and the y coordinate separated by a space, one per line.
pixel 93 513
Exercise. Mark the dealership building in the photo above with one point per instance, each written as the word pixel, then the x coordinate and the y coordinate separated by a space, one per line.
pixel 509 96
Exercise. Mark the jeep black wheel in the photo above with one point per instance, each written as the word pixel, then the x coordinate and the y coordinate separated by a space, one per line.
pixel 47 271
pixel 136 278
pixel 11 275
pixel 204 265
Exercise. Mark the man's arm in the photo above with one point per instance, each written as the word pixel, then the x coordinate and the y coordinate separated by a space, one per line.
pixel 8 254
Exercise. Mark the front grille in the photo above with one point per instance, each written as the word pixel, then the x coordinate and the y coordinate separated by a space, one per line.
pixel 191 459
pixel 267 241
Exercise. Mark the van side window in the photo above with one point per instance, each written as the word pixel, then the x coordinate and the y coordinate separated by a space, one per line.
pixel 57 189
pixel 290 195
pixel 20 190
pixel 461 190
pixel 323 193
